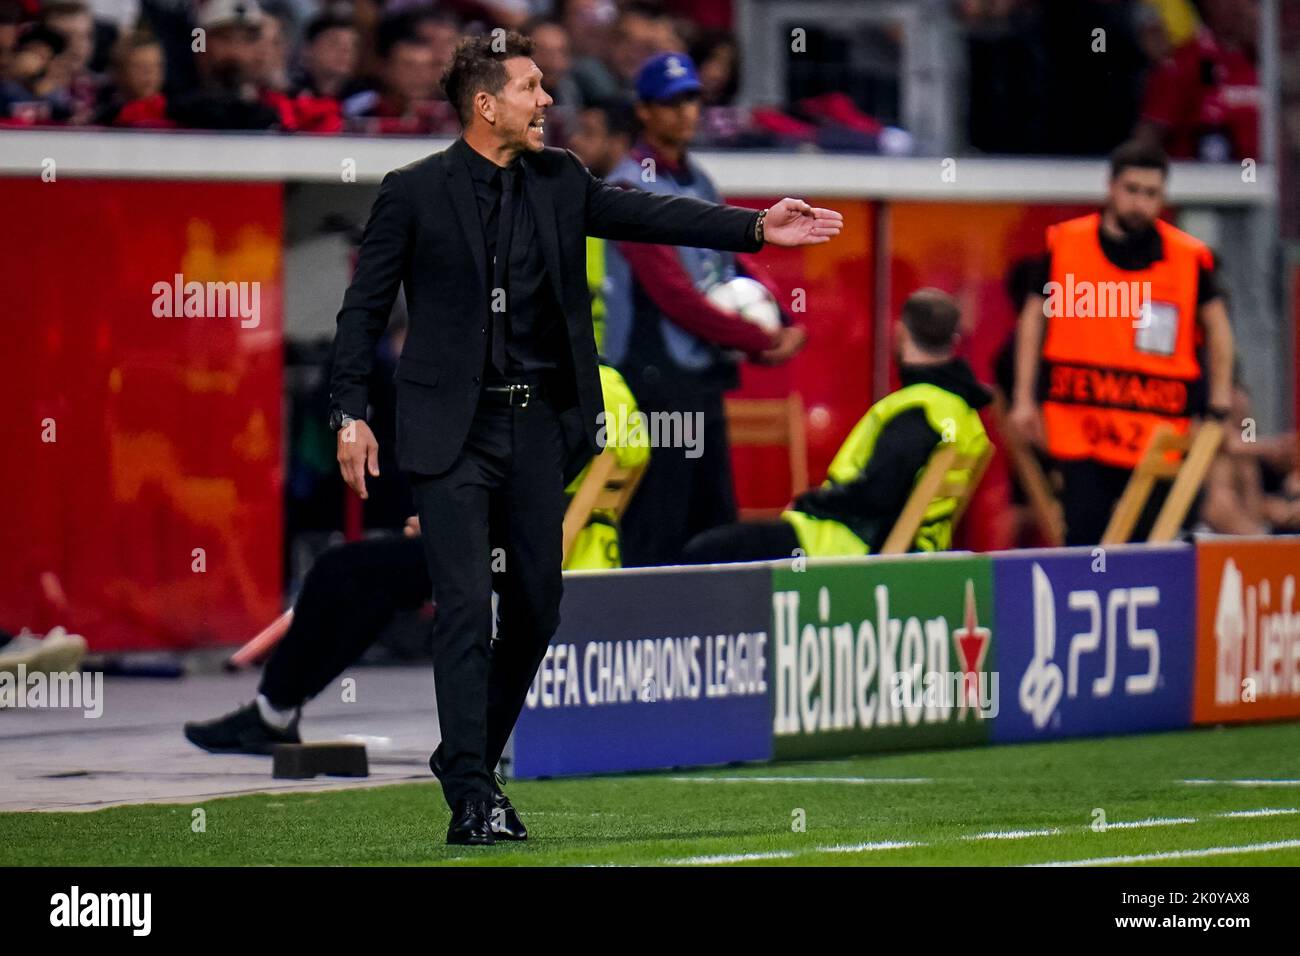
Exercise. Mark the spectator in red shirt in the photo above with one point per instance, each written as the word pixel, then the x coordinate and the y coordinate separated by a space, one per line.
pixel 1203 102
pixel 329 58
pixel 299 110
pixel 138 70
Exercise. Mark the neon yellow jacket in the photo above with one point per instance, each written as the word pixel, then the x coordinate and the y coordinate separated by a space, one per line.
pixel 597 544
pixel 875 469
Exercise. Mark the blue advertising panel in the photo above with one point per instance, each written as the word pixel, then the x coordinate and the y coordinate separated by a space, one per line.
pixel 652 669
pixel 1095 641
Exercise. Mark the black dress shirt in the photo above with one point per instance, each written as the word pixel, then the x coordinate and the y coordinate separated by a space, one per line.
pixel 534 326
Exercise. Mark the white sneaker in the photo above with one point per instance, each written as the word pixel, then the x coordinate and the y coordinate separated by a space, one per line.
pixel 57 652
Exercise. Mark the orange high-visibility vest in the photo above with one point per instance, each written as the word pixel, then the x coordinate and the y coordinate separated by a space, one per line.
pixel 1120 350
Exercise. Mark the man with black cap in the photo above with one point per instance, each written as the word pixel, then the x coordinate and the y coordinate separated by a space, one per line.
pixel 675 348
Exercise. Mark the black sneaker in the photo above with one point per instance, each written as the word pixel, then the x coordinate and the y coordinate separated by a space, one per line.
pixel 241 731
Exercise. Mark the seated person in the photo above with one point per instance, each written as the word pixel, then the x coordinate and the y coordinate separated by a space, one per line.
pixel 596 545
pixel 1252 486
pixel 354 591
pixel 872 475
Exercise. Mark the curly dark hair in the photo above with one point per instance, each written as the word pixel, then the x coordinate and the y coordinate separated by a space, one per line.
pixel 479 65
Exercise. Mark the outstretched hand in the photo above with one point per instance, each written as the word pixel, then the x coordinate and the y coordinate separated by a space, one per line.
pixel 792 222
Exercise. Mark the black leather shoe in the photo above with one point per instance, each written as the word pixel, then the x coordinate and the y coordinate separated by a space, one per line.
pixel 241 731
pixel 470 825
pixel 506 824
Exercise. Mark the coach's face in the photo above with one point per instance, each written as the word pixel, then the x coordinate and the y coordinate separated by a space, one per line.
pixel 518 112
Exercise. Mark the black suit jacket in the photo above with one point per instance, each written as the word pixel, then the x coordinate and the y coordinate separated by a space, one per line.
pixel 424 234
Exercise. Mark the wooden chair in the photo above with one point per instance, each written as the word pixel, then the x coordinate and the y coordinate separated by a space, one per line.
pixel 768 423
pixel 934 483
pixel 1185 459
pixel 607 487
pixel 1043 504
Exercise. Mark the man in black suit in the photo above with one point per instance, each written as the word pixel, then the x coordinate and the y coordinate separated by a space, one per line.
pixel 498 380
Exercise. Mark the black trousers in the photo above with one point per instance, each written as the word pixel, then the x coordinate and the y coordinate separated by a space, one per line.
pixel 1089 493
pixel 493 521
pixel 742 541
pixel 349 596
pixel 679 496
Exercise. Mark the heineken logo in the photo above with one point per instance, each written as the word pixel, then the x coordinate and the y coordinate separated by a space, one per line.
pixel 882 670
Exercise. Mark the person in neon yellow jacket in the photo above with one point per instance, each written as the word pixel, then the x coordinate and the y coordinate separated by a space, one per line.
pixel 872 475
pixel 596 545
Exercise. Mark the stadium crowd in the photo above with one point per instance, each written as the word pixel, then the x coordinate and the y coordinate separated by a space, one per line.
pixel 1182 72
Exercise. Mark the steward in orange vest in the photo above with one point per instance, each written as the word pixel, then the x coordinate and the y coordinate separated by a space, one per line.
pixel 1130 331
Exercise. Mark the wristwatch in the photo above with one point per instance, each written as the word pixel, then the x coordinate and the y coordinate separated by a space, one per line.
pixel 1219 413
pixel 758 226
pixel 340 419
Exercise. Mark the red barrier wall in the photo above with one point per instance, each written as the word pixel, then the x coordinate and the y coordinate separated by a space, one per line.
pixel 833 373
pixel 131 440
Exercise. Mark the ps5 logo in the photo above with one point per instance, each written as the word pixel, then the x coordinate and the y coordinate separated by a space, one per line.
pixel 1041 685
pixel 1040 688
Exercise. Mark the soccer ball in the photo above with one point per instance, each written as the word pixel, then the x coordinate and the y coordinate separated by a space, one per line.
pixel 747 298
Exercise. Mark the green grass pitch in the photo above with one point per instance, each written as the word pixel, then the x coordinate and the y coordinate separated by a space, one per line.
pixel 1032 803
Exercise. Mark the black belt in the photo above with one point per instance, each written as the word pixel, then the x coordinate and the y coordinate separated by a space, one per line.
pixel 517 394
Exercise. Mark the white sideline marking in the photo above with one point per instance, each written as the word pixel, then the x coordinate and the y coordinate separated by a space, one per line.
pixel 867 847
pixel 1149 822
pixel 730 858
pixel 1130 824
pixel 852 780
pixel 1247 783
pixel 1177 854
pixel 1013 834
pixel 787 854
pixel 995 834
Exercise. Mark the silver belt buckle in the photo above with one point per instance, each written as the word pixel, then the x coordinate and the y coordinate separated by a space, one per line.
pixel 524 390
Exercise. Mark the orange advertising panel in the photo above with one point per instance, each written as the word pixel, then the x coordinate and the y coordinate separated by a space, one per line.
pixel 1248 630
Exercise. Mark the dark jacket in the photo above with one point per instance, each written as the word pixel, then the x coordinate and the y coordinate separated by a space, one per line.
pixel 424 234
